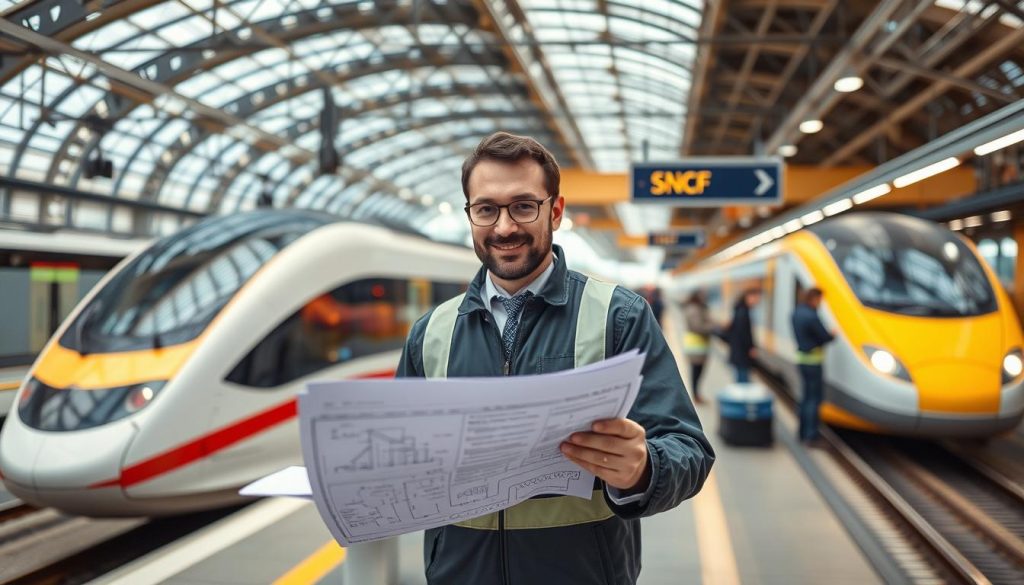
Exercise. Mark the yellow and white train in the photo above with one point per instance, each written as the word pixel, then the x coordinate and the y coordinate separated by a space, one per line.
pixel 927 342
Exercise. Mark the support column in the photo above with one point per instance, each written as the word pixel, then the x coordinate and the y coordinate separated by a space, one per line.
pixel 372 562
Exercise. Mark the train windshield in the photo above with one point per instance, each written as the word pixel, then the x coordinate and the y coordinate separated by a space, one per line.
pixel 908 266
pixel 171 292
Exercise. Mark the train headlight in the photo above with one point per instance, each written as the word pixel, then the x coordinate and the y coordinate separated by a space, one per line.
pixel 1013 365
pixel 886 363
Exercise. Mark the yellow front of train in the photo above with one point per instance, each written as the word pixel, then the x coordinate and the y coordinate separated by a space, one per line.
pixel 930 344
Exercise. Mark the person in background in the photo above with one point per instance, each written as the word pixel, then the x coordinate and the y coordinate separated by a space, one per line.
pixel 699 328
pixel 742 350
pixel 811 337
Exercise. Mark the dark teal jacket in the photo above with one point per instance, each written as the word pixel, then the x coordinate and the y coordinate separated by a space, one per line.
pixel 599 553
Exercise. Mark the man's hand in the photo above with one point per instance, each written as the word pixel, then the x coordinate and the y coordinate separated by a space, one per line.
pixel 615 450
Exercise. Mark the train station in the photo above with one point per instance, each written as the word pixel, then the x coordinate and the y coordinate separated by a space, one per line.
pixel 571 292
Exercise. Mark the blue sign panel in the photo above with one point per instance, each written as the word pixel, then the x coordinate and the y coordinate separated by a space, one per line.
pixel 677 239
pixel 709 182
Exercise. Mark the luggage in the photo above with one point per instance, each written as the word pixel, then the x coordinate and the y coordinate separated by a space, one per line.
pixel 745 415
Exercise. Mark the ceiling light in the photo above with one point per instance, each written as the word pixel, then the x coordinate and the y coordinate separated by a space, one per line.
pixel 999 143
pixel 787 150
pixel 566 223
pixel 838 207
pixel 813 217
pixel 1003 215
pixel 872 193
pixel 956 225
pixel 444 207
pixel 928 171
pixel 848 84
pixel 972 221
pixel 792 225
pixel 811 126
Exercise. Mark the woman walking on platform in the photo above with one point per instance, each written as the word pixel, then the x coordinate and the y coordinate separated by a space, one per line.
pixel 742 350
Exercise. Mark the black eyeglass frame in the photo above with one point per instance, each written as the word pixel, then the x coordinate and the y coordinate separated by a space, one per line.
pixel 539 202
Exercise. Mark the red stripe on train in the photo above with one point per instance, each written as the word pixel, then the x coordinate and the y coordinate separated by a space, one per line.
pixel 211 443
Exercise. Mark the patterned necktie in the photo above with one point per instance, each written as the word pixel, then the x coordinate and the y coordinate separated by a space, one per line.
pixel 513 307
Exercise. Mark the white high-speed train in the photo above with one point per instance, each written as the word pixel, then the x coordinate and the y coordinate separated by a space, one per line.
pixel 173 382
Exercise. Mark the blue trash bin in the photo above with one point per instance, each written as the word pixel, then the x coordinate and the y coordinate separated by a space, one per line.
pixel 745 415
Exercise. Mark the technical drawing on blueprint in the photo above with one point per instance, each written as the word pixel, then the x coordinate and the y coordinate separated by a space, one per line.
pixel 386 457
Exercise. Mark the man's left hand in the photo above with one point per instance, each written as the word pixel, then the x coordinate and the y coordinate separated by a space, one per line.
pixel 615 450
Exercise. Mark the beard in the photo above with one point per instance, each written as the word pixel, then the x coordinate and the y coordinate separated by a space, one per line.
pixel 531 257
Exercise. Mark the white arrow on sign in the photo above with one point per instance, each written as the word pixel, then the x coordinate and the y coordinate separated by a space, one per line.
pixel 766 182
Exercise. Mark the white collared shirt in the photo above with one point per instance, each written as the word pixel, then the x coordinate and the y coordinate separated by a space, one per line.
pixel 492 290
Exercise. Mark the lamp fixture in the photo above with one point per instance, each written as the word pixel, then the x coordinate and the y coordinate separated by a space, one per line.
pixel 848 84
pixel 928 171
pixel 787 150
pixel 999 143
pixel 811 126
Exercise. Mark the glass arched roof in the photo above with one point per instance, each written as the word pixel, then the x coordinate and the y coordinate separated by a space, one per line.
pixel 207 106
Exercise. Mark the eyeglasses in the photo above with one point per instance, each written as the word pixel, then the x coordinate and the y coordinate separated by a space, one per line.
pixel 522 211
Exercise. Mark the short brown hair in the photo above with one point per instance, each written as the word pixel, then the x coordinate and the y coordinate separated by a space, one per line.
pixel 812 294
pixel 505 147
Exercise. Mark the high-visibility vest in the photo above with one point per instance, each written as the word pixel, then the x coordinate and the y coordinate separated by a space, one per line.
pixel 815 357
pixel 591 326
pixel 695 343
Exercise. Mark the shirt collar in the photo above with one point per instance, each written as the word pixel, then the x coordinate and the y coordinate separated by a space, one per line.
pixel 492 290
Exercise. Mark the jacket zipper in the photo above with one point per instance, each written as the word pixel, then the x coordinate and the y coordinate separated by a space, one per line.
pixel 506 578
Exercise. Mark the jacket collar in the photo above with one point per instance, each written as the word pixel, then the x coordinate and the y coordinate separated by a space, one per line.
pixel 555 291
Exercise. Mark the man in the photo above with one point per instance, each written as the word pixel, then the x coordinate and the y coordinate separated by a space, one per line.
pixel 521 316
pixel 811 337
pixel 740 336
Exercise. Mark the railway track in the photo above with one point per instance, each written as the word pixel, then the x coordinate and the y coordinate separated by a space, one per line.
pixel 960 518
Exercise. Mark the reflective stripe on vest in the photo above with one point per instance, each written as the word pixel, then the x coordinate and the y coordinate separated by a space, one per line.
pixel 437 338
pixel 695 343
pixel 591 330
pixel 815 357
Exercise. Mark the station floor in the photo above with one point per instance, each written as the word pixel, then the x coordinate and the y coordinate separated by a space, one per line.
pixel 758 521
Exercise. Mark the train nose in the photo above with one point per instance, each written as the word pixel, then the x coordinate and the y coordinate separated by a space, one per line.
pixel 958 387
pixel 62 469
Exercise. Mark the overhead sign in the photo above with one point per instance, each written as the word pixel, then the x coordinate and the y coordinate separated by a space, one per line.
pixel 709 182
pixel 678 239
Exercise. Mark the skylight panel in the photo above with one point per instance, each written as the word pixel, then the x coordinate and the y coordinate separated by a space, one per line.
pixel 130 60
pixel 185 32
pixel 107 36
pixel 160 14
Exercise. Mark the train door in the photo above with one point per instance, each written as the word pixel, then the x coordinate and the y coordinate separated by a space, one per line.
pixel 783 303
pixel 53 293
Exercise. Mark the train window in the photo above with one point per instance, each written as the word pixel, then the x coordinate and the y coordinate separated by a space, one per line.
pixel 906 266
pixel 171 292
pixel 1007 265
pixel 358 319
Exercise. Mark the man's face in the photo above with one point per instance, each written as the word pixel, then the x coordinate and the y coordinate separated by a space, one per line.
pixel 510 250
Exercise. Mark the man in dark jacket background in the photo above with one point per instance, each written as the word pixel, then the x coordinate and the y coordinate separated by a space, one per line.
pixel 521 315
pixel 740 336
pixel 811 337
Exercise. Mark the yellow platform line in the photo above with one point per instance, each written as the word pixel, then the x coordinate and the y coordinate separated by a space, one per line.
pixel 9 385
pixel 315 566
pixel 717 560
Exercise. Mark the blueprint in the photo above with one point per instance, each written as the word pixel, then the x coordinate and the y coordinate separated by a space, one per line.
pixel 386 457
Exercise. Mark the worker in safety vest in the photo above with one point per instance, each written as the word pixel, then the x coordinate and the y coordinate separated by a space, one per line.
pixel 699 328
pixel 811 337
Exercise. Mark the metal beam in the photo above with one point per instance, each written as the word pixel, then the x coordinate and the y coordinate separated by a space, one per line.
pixel 937 75
pixel 1007 43
pixel 713 17
pixel 541 80
pixel 821 90
pixel 753 52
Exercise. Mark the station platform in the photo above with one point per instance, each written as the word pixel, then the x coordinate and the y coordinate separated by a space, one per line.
pixel 759 520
